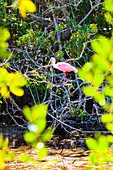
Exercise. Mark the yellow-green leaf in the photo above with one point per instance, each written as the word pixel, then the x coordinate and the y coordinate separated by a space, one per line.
pixel 109 126
pixel 90 91
pixel 42 151
pixel 47 134
pixel 108 17
pixel 97 78
pixel 106 118
pixel 4 91
pixel 27 113
pixel 41 124
pixel 91 143
pixel 108 91
pixel 17 91
pixel 30 137
pixel 110 138
pixel 39 111
pixel 109 5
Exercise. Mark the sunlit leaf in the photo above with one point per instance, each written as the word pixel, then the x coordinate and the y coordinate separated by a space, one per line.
pixel 41 124
pixel 93 158
pixel 98 78
pixel 26 6
pixel 30 137
pixel 27 113
pixel 91 143
pixel 100 98
pixel 10 156
pixel 111 107
pixel 4 91
pixel 108 91
pixel 42 151
pixel 26 158
pixel 108 17
pixel 109 126
pixel 110 138
pixel 103 144
pixel 2 159
pixel 17 90
pixel 47 134
pixel 101 46
pixel 101 64
pixel 109 5
pixel 1 141
pixel 90 91
pixel 85 73
pixel 111 55
pixel 4 36
pixel 39 111
pixel 107 118
pixel 109 78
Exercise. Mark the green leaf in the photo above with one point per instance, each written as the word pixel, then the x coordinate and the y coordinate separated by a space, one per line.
pixel 26 158
pixel 90 91
pixel 4 36
pixel 1 141
pixel 4 91
pixel 93 158
pixel 85 72
pixel 106 118
pixel 109 5
pixel 101 46
pixel 109 126
pixel 108 91
pixel 42 151
pixel 47 134
pixel 30 137
pixel 100 98
pixel 91 143
pixel 97 78
pixel 110 138
pixel 103 144
pixel 27 113
pixel 108 17
pixel 100 63
pixel 17 91
pixel 10 156
pixel 41 124
pixel 39 111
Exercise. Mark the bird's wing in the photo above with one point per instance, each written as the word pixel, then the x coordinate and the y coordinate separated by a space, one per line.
pixel 65 67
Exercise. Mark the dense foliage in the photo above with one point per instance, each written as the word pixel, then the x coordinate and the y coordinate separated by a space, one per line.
pixel 59 29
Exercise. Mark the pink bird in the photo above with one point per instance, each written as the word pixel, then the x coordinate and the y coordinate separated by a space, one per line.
pixel 62 66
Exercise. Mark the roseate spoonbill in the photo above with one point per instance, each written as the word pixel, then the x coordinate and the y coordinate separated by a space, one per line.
pixel 62 66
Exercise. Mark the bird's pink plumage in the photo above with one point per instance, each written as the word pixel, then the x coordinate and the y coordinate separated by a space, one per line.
pixel 65 67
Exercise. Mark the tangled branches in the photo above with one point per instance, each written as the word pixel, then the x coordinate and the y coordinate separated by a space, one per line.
pixel 64 30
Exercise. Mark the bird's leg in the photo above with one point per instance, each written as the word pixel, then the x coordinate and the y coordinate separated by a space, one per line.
pixel 64 76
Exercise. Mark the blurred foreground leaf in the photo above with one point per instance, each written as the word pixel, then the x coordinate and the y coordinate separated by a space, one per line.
pixel 25 6
pixel 4 37
pixel 11 82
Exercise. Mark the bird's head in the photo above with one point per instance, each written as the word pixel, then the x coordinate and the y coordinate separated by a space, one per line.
pixel 52 60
